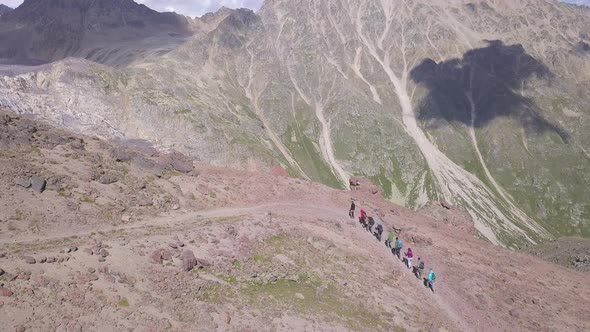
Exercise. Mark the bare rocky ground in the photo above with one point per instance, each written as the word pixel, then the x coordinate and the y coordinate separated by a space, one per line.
pixel 97 236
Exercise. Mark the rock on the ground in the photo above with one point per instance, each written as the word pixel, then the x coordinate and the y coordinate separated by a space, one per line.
pixel 143 200
pixel 38 184
pixel 189 261
pixel 299 296
pixel 5 292
pixel 103 252
pixel 126 218
pixel 160 255
pixel 30 260
pixel 23 182
pixel 180 162
pixel 107 178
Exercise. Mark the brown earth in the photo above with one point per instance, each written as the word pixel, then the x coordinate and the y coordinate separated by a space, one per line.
pixel 269 253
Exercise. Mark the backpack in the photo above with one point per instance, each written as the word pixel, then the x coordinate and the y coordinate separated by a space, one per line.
pixel 421 266
pixel 399 244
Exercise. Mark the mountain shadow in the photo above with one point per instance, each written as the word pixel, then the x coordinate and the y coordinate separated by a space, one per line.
pixel 492 78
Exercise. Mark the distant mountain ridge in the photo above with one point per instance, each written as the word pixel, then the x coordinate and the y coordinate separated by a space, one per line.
pixel 4 9
pixel 41 31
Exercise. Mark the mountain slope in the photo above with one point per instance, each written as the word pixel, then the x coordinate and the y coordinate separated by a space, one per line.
pixel 104 31
pixel 4 9
pixel 111 233
pixel 482 104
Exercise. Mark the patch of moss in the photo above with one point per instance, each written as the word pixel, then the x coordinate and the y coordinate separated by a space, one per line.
pixel 124 303
pixel 87 199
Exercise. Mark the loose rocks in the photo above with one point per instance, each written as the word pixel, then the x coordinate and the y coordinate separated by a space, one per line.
pixel 38 184
pixel 30 260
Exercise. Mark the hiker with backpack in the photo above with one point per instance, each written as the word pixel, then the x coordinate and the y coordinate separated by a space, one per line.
pixel 379 230
pixel 371 223
pixel 430 280
pixel 389 241
pixel 398 247
pixel 363 219
pixel 419 269
pixel 351 211
pixel 409 256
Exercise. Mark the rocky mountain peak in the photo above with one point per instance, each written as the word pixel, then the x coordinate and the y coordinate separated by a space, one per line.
pixel 4 9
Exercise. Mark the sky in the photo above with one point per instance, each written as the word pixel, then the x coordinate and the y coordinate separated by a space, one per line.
pixel 200 7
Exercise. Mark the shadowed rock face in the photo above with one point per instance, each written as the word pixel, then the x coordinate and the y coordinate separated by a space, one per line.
pixel 492 77
pixel 4 9
pixel 481 104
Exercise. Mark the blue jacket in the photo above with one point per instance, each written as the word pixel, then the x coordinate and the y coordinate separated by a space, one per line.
pixel 431 276
pixel 398 244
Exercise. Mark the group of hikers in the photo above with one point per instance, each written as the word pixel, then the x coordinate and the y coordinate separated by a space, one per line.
pixel 368 222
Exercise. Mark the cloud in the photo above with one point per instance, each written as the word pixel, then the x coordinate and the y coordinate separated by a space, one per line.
pixel 184 7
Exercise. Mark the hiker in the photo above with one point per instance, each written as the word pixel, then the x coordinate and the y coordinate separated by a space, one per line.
pixel 389 241
pixel 351 212
pixel 379 230
pixel 419 269
pixel 362 218
pixel 409 256
pixel 431 279
pixel 398 247
pixel 371 223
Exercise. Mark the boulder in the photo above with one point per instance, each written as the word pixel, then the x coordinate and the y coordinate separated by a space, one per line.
pixel 103 252
pixel 189 261
pixel 30 260
pixel 180 162
pixel 143 200
pixel 108 178
pixel 5 292
pixel 38 184
pixel 160 255
pixel 23 182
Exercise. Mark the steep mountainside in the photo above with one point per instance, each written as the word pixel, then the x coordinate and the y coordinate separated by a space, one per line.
pixel 4 9
pixel 478 103
pixel 101 236
pixel 106 31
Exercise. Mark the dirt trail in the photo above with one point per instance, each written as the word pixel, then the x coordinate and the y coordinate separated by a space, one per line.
pixel 178 219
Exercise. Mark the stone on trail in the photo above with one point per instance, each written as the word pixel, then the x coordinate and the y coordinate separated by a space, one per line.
pixel 5 292
pixel 189 261
pixel 126 218
pixel 299 296
pixel 38 184
pixel 50 259
pixel 30 260
pixel 103 252
pixel 23 182
pixel 43 260
pixel 173 245
pixel 1 272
